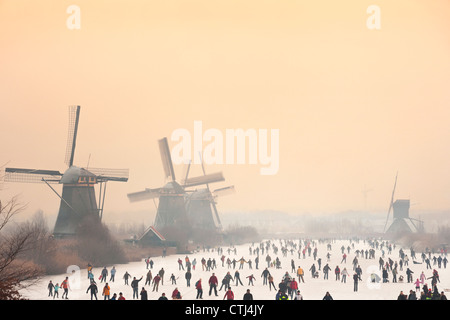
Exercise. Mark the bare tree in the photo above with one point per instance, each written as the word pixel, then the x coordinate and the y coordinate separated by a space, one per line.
pixel 14 242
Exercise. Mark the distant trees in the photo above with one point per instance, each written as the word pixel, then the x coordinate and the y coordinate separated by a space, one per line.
pixel 236 234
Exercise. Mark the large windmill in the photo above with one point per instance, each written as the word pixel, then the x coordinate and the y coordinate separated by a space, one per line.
pixel 78 199
pixel 401 221
pixel 172 211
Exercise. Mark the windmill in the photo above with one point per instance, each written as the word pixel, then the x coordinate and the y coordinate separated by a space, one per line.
pixel 201 206
pixel 401 219
pixel 171 209
pixel 78 199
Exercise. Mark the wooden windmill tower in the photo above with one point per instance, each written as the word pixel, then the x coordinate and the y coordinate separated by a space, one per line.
pixel 78 199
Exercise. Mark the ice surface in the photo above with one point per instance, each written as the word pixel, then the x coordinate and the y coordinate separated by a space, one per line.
pixel 312 289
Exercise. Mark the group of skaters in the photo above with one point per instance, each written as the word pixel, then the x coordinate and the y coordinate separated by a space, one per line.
pixel 287 287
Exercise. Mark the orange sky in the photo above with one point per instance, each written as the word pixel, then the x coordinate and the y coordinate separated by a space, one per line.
pixel 353 105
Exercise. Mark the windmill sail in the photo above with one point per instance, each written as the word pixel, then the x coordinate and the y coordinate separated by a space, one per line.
pixel 224 191
pixel 144 195
pixel 166 159
pixel 74 117
pixel 31 175
pixel 392 202
pixel 205 179
pixel 104 174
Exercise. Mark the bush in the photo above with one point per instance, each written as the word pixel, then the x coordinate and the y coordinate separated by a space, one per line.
pixel 95 244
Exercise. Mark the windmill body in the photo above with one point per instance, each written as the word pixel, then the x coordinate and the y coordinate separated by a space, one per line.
pixel 171 209
pixel 78 201
pixel 200 210
pixel 78 198
pixel 400 217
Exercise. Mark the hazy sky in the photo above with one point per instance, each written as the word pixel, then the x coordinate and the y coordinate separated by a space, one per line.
pixel 353 105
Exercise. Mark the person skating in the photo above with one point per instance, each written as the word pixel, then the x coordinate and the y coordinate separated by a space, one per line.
pixel 402 296
pixel 356 278
pixel 313 270
pixel 248 295
pixel 161 275
pixel 337 273
pixel 103 275
pixel 56 294
pixel 148 278
pixel 144 295
pixel 409 274
pixel 176 294
pixel 50 288
pixel 412 295
pixel 155 282
pixel 265 275
pixel 229 295
pixel 163 297
pixel 113 274
pixel 93 288
pixel 300 274
pixel 106 292
pixel 126 276
pixel 326 269
pixel 293 286
pixel 188 277
pixel 297 295
pixel 271 284
pixel 135 287
pixel 250 279
pixel 344 275
pixel 65 286
pixel 213 284
pixel 173 279
pixel 237 278
pixel 281 295
pixel 327 296
pixel 198 286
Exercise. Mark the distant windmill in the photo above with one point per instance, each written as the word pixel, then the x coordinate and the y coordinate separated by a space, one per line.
pixel 201 205
pixel 401 216
pixel 78 194
pixel 172 212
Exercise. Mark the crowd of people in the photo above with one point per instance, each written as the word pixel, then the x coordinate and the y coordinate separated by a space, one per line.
pixel 267 259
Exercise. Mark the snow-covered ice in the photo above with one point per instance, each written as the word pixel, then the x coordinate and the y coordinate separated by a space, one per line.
pixel 312 289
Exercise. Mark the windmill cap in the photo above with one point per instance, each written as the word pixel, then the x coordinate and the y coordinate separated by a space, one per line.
pixel 73 174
